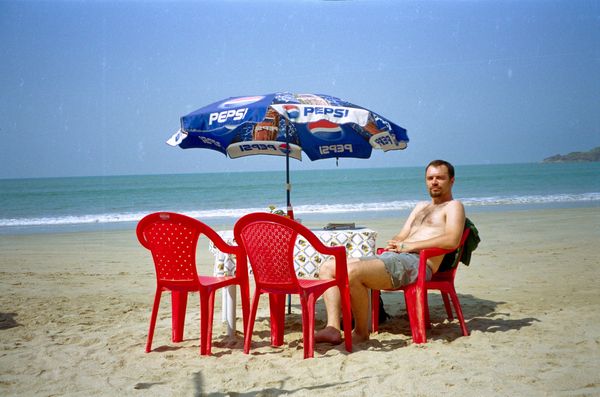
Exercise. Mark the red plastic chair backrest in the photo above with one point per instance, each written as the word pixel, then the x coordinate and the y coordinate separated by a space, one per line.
pixel 270 249
pixel 450 274
pixel 172 239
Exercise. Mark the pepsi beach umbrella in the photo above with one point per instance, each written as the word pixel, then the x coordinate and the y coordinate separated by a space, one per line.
pixel 287 124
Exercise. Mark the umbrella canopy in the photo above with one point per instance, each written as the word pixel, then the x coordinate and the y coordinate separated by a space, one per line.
pixel 287 124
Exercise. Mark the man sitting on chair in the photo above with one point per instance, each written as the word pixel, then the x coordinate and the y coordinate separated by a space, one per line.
pixel 437 223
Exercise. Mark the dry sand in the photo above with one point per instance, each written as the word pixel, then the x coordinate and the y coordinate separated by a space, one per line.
pixel 75 310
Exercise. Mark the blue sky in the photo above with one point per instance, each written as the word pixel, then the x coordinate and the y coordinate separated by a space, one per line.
pixel 96 87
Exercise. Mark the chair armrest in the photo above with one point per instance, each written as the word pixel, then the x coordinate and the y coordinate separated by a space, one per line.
pixel 431 252
pixel 220 244
pixel 428 252
pixel 338 252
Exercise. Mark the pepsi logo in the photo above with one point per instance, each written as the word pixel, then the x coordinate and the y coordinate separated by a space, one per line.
pixel 240 101
pixel 323 127
pixel 283 148
pixel 292 111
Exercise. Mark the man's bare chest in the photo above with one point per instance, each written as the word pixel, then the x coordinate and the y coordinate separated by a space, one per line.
pixel 431 216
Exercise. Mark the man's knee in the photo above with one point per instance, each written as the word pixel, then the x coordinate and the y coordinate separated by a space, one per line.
pixel 327 270
pixel 367 272
pixel 355 272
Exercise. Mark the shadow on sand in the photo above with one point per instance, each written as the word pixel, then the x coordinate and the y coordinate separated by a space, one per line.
pixel 271 391
pixel 7 320
pixel 480 315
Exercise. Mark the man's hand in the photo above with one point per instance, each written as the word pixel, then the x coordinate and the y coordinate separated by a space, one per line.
pixel 397 246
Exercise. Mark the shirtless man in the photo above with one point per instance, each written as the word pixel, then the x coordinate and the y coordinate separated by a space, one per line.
pixel 438 223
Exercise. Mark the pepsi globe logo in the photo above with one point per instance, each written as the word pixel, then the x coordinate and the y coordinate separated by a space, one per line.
pixel 241 101
pixel 292 111
pixel 284 148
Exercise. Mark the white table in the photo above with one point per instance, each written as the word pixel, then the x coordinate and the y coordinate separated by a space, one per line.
pixel 358 242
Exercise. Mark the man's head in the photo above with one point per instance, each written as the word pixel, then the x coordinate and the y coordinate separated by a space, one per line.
pixel 439 163
pixel 439 176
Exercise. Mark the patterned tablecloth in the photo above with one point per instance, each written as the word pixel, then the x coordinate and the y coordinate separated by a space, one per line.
pixel 358 242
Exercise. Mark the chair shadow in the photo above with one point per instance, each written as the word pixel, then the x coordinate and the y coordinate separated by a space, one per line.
pixel 483 315
pixel 167 348
pixel 293 324
pixel 480 315
pixel 7 321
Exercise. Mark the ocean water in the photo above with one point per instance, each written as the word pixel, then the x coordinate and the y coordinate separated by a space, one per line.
pixel 109 202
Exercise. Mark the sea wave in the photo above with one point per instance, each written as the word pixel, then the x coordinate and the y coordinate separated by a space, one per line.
pixel 300 209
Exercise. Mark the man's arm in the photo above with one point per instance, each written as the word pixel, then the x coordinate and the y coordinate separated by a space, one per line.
pixel 450 238
pixel 403 234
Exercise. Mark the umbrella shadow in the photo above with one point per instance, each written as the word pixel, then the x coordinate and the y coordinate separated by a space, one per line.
pixel 7 321
pixel 198 380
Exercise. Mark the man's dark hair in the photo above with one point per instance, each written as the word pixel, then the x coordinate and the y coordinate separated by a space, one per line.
pixel 437 163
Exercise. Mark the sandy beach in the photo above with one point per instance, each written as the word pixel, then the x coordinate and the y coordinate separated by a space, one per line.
pixel 75 310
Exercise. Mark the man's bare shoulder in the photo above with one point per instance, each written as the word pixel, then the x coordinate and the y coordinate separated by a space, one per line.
pixel 421 204
pixel 455 204
pixel 456 209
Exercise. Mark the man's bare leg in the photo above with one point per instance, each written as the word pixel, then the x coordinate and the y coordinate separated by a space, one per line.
pixel 364 275
pixel 331 333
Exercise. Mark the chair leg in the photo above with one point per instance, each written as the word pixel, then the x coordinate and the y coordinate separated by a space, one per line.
pixel 415 305
pixel 347 317
pixel 277 306
pixel 211 310
pixel 245 298
pixel 375 293
pixel 205 322
pixel 447 306
pixel 459 313
pixel 251 319
pixel 308 331
pixel 427 318
pixel 178 307
pixel 153 319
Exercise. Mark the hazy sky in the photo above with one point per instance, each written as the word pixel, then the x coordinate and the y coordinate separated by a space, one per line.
pixel 96 87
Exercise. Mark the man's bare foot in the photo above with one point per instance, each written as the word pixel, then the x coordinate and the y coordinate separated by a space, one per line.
pixel 357 338
pixel 329 335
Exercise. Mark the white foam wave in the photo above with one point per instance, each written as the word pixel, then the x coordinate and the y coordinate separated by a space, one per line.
pixel 532 199
pixel 300 209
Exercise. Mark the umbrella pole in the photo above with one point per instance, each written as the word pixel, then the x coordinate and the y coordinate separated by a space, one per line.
pixel 288 186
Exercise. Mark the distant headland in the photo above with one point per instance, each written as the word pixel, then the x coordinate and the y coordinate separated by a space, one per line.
pixel 575 157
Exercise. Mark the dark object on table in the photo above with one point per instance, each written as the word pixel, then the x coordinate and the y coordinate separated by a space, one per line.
pixel 339 226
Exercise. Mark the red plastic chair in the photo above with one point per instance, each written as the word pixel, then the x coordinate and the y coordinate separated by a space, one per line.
pixel 268 241
pixel 172 238
pixel 415 294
